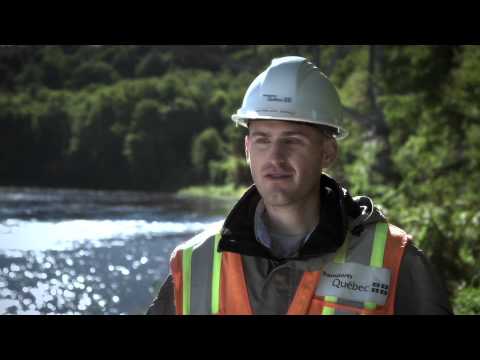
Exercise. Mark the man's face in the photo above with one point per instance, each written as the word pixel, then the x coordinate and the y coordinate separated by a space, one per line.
pixel 286 160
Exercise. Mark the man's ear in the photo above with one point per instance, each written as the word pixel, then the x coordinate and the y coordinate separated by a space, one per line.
pixel 247 152
pixel 330 152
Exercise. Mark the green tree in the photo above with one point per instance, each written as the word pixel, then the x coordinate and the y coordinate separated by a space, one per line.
pixel 124 61
pixel 51 127
pixel 154 64
pixel 93 73
pixel 147 146
pixel 16 141
pixel 207 147
pixel 96 145
pixel 53 65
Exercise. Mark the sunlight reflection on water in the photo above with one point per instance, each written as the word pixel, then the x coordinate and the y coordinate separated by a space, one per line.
pixel 65 235
pixel 90 252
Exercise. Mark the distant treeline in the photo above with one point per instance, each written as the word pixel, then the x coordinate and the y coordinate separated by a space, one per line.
pixel 158 118
pixel 113 117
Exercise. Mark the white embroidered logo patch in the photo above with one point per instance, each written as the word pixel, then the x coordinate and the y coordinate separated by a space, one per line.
pixel 355 282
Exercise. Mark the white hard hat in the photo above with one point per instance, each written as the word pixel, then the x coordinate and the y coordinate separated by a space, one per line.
pixel 292 89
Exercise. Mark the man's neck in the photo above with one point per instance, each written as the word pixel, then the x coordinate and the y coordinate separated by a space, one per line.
pixel 295 219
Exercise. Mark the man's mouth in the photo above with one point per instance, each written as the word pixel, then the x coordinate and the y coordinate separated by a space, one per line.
pixel 278 176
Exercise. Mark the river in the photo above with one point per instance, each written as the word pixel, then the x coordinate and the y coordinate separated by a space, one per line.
pixel 91 252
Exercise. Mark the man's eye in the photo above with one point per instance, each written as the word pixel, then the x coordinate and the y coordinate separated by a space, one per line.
pixel 262 141
pixel 292 141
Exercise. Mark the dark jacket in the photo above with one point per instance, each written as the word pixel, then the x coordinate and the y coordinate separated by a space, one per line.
pixel 272 282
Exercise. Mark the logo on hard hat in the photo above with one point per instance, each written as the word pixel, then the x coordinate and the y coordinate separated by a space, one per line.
pixel 278 99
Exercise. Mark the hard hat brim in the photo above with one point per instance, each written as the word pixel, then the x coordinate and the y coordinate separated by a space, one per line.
pixel 339 134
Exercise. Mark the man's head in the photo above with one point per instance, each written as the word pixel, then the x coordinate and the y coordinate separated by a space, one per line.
pixel 293 113
pixel 286 159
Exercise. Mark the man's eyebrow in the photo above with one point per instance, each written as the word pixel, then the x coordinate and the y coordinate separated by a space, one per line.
pixel 286 133
pixel 259 133
pixel 294 133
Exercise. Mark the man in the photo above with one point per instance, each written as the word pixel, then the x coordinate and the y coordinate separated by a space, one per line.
pixel 297 242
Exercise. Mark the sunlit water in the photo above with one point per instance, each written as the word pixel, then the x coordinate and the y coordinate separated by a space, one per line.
pixel 89 252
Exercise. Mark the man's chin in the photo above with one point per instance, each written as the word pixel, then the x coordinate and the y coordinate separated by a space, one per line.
pixel 277 198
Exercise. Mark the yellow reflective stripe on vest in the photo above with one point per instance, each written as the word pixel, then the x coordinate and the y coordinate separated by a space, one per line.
pixel 186 278
pixel 379 244
pixel 339 259
pixel 216 271
pixel 378 252
pixel 201 296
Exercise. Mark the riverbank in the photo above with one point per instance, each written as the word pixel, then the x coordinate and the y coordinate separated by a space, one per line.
pixel 214 192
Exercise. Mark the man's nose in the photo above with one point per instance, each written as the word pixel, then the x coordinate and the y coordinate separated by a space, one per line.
pixel 278 152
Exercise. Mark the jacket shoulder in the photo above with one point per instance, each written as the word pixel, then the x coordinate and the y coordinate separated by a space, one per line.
pixel 200 239
pixel 421 290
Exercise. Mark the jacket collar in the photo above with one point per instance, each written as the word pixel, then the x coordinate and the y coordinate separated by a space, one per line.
pixel 337 209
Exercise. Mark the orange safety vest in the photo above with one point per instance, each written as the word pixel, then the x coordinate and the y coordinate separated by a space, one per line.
pixel 210 282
